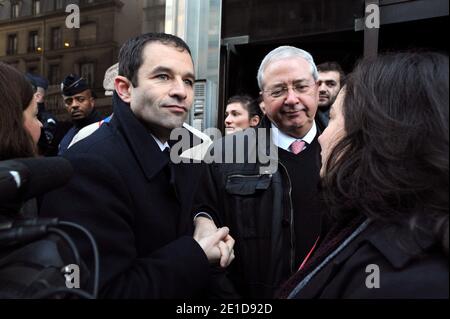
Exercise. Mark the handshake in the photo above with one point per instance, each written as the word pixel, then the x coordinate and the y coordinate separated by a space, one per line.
pixel 216 243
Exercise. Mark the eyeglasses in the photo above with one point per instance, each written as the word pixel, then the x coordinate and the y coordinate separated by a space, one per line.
pixel 282 91
pixel 79 99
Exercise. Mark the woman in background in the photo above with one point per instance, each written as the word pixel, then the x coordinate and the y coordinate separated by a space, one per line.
pixel 385 180
pixel 30 260
pixel 20 128
pixel 241 112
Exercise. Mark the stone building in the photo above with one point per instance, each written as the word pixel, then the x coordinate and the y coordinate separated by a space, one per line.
pixel 38 36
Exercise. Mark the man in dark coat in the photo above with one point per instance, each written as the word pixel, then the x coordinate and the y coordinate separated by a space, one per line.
pixel 80 103
pixel 331 80
pixel 269 198
pixel 127 191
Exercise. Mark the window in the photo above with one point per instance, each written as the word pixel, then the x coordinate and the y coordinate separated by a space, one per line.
pixel 58 4
pixel 56 38
pixel 15 10
pixel 33 39
pixel 54 74
pixel 12 44
pixel 87 72
pixel 36 7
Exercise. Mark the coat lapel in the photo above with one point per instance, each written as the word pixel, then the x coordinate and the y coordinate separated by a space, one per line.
pixel 145 150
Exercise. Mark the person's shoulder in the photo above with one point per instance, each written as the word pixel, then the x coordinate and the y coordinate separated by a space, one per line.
pixel 103 142
pixel 400 244
pixel 402 268
pixel 84 132
pixel 375 277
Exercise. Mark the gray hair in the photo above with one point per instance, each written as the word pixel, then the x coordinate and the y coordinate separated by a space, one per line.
pixel 285 52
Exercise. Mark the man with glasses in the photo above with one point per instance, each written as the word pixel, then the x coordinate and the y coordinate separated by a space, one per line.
pixel 128 190
pixel 274 215
pixel 80 103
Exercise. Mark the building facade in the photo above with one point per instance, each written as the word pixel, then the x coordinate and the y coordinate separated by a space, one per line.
pixel 332 30
pixel 228 38
pixel 40 37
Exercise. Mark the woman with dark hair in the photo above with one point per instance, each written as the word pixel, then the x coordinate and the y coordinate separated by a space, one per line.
pixel 30 262
pixel 20 128
pixel 242 112
pixel 385 179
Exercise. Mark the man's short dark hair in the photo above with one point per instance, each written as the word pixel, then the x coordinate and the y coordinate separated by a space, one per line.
pixel 333 66
pixel 130 55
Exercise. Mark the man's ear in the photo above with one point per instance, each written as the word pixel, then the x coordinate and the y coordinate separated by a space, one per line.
pixel 123 88
pixel 254 121
pixel 262 104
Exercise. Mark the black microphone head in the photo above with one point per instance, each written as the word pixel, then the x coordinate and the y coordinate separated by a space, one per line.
pixel 33 177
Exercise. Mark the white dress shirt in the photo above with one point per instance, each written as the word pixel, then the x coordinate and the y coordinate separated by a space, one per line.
pixel 285 141
pixel 160 144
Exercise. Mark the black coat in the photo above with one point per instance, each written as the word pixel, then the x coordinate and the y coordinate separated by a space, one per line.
pixel 77 126
pixel 254 200
pixel 410 267
pixel 137 207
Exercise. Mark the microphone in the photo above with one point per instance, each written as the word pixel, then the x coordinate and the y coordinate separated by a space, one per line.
pixel 23 179
pixel 47 222
pixel 21 235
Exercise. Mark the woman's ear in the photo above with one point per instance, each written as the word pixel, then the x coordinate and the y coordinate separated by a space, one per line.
pixel 123 88
pixel 254 121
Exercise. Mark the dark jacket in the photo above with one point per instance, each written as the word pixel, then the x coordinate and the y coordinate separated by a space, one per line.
pixel 78 125
pixel 408 266
pixel 322 118
pixel 48 141
pixel 136 205
pixel 254 200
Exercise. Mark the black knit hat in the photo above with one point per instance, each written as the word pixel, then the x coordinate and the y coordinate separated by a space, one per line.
pixel 73 84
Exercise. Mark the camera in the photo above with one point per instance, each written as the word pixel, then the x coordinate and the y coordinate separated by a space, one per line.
pixel 38 257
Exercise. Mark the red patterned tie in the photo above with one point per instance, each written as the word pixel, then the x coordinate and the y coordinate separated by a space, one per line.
pixel 297 146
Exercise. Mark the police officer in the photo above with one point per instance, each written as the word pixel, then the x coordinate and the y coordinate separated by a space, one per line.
pixel 80 103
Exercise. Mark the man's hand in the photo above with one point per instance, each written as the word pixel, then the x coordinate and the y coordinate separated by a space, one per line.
pixel 204 226
pixel 216 243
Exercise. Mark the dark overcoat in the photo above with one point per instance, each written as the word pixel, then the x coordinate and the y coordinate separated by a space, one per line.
pixel 382 262
pixel 137 206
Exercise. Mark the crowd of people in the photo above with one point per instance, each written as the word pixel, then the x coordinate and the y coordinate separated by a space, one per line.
pixel 361 176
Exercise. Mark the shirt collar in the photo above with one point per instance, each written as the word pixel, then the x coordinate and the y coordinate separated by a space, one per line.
pixel 284 141
pixel 160 144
